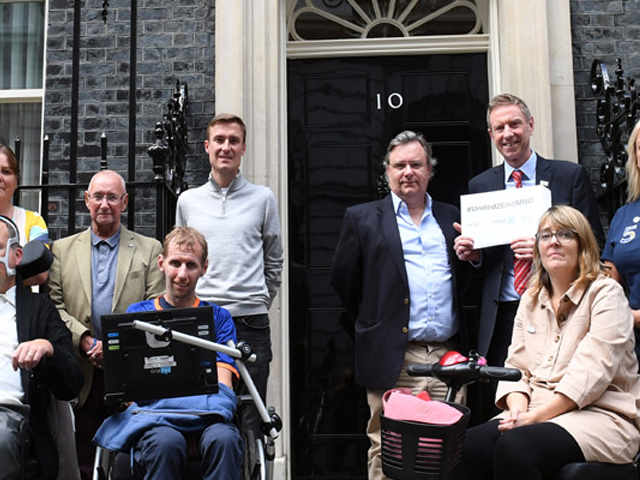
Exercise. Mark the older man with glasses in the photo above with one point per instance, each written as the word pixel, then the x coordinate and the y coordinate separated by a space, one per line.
pixel 100 271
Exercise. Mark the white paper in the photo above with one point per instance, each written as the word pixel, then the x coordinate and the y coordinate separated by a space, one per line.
pixel 497 218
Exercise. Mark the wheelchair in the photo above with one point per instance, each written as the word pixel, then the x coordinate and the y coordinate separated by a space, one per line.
pixel 399 456
pixel 259 453
pixel 599 471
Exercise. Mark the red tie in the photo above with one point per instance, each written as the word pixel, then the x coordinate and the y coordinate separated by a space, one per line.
pixel 521 268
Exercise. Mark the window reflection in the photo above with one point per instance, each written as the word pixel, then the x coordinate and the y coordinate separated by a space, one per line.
pixel 21 45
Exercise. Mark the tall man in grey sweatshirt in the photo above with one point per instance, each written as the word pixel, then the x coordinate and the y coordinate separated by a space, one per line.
pixel 241 224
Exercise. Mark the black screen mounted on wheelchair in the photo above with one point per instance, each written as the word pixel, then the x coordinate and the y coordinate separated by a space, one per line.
pixel 139 365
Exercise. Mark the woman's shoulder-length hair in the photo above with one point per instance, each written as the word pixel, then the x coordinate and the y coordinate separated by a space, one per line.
pixel 589 265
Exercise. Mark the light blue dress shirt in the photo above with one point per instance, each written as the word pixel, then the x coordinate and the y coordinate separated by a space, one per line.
pixel 104 263
pixel 432 316
pixel 507 287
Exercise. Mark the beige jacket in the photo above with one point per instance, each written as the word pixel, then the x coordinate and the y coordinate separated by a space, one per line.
pixel 586 353
pixel 138 278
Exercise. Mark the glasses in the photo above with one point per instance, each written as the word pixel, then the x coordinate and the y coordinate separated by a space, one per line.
pixel 111 199
pixel 563 236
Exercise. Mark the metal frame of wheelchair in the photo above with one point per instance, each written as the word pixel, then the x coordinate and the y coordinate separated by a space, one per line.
pixel 259 453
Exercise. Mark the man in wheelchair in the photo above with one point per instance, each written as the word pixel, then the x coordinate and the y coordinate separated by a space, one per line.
pixel 164 433
pixel 36 359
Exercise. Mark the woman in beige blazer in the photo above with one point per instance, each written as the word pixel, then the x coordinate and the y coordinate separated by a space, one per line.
pixel 573 342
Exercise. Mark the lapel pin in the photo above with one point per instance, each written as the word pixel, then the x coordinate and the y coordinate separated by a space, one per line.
pixel 531 329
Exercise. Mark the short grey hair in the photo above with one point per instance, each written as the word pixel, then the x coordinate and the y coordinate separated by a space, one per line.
pixel 409 136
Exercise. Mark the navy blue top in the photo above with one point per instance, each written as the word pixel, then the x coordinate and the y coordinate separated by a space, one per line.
pixel 622 248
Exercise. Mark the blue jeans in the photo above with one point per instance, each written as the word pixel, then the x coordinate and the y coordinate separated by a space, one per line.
pixel 162 452
pixel 255 330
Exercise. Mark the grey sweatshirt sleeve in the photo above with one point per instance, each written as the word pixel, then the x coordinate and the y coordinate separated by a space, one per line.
pixel 272 248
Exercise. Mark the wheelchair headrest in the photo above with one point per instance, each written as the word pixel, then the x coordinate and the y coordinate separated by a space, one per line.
pixel 36 258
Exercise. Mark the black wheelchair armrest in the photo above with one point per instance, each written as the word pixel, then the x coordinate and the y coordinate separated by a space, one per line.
pixel 598 471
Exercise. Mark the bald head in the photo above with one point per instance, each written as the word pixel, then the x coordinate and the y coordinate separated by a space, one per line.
pixel 106 199
pixel 109 173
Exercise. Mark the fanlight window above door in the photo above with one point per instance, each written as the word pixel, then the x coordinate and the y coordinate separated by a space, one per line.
pixel 350 19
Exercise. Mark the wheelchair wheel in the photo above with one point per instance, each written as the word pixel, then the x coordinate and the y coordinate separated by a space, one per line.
pixel 254 465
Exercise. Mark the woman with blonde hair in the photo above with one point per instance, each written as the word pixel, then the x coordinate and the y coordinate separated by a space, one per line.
pixel 622 248
pixel 573 343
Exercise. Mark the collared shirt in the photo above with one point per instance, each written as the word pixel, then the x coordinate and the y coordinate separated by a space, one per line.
pixel 584 350
pixel 11 392
pixel 507 287
pixel 432 317
pixel 528 170
pixel 104 263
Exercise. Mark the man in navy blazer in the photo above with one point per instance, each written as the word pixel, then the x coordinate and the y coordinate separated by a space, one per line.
pixel 398 276
pixel 510 127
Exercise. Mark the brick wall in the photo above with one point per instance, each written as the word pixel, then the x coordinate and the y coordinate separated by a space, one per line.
pixel 604 30
pixel 175 41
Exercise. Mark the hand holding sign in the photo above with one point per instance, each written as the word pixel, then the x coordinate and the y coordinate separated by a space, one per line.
pixel 499 217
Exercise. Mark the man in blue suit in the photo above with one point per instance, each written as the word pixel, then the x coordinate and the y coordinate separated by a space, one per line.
pixel 397 274
pixel 511 126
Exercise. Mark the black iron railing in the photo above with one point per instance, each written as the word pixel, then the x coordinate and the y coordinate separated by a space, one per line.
pixel 168 152
pixel 616 113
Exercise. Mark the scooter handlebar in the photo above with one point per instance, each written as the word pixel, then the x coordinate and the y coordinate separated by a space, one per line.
pixel 501 373
pixel 467 372
pixel 420 370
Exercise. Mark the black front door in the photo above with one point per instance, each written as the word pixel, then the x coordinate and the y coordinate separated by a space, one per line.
pixel 342 114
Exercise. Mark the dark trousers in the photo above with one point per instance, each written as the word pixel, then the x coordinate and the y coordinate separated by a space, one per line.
pixel 88 419
pixel 162 452
pixel 496 356
pixel 255 330
pixel 532 452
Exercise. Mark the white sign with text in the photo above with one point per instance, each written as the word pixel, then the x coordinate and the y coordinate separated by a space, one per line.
pixel 496 218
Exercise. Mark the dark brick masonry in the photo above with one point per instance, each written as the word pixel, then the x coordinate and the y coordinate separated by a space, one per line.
pixel 603 29
pixel 175 42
